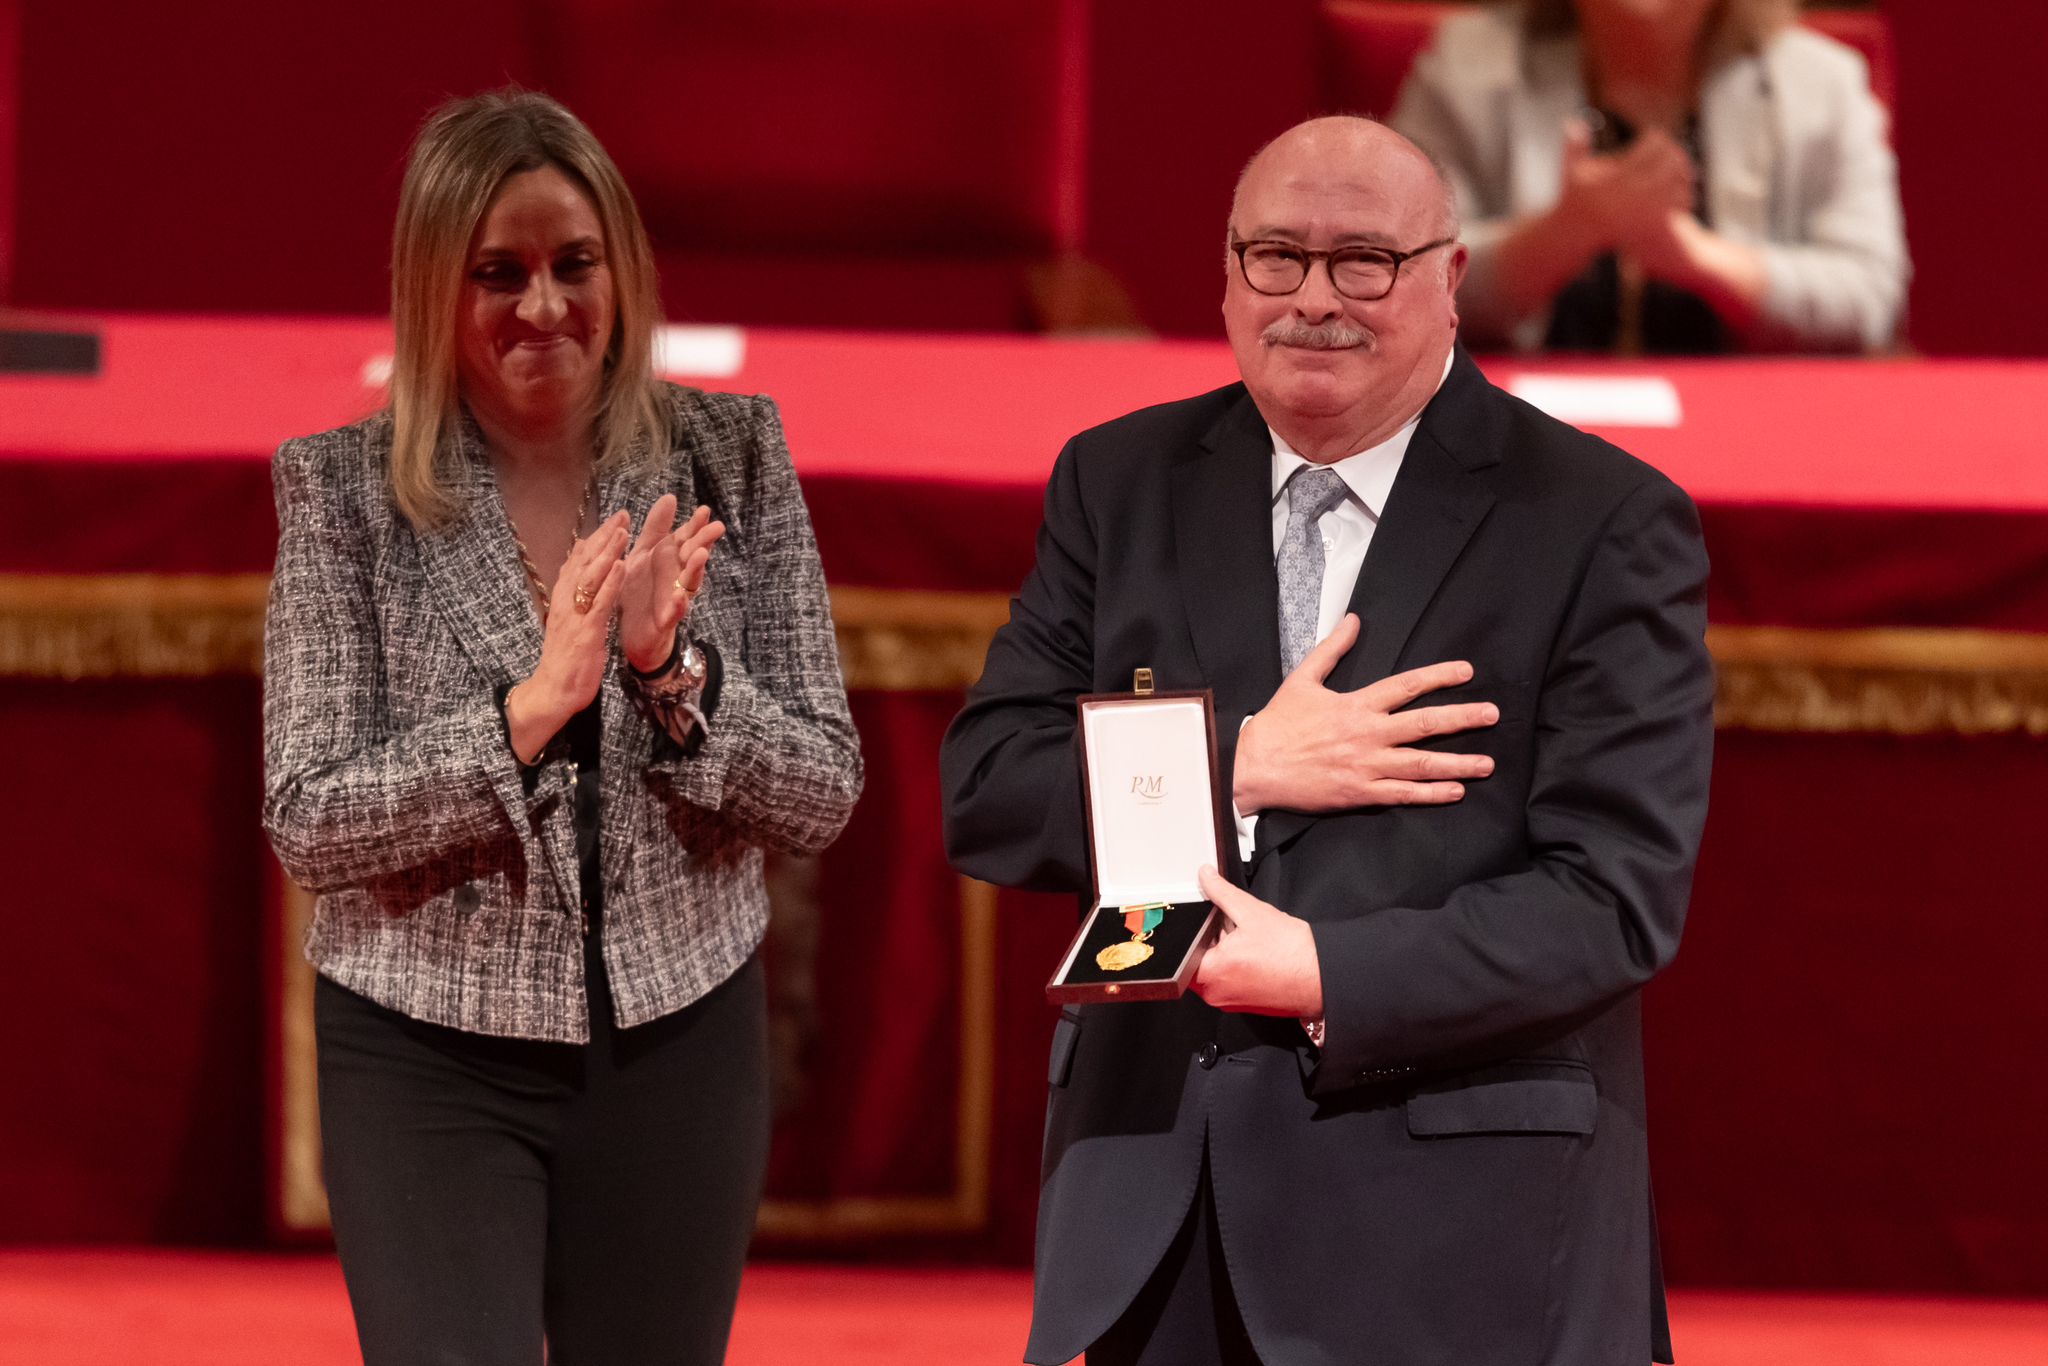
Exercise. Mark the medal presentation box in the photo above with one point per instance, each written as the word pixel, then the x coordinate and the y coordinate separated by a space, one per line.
pixel 1148 761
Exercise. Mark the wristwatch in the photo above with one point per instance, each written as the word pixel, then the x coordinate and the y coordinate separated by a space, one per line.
pixel 690 664
pixel 685 669
pixel 680 696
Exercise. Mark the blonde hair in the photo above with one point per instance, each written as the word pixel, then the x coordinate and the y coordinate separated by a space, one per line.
pixel 1745 25
pixel 464 152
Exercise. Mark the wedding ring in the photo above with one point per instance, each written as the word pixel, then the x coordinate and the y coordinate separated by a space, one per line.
pixel 679 583
pixel 584 597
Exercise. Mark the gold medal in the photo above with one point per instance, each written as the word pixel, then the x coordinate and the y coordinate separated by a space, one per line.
pixel 1140 921
pixel 1124 956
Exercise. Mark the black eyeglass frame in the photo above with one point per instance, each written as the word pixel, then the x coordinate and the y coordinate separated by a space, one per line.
pixel 1309 257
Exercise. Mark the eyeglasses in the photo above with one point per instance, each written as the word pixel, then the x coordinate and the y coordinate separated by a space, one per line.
pixel 1361 273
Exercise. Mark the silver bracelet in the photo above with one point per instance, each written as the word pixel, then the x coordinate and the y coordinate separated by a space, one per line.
pixel 672 694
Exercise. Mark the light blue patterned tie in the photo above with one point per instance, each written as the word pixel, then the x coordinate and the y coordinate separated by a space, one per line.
pixel 1312 492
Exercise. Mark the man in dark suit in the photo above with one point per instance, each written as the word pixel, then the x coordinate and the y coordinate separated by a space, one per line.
pixel 1405 1121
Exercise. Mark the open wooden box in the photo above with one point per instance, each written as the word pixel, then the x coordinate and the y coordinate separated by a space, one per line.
pixel 1155 817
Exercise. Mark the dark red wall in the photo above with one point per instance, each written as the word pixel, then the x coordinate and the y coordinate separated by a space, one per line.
pixel 216 156
pixel 1180 97
pixel 10 93
pixel 1971 123
pixel 222 156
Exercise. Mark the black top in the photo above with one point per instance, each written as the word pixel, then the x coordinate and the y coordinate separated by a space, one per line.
pixel 581 742
pixel 1586 315
pixel 583 736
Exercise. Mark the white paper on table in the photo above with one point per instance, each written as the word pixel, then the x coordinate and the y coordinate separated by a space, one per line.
pixel 699 352
pixel 679 353
pixel 1151 798
pixel 1601 400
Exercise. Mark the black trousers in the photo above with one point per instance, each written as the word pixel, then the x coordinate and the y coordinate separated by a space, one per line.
pixel 1186 1315
pixel 492 1194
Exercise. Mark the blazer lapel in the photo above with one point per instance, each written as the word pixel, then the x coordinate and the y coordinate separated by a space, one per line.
pixel 1438 500
pixel 1737 121
pixel 474 573
pixel 1538 108
pixel 473 570
pixel 1223 545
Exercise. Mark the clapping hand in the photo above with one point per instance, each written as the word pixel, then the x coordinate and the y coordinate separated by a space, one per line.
pixel 1311 749
pixel 1621 199
pixel 1730 275
pixel 575 643
pixel 664 575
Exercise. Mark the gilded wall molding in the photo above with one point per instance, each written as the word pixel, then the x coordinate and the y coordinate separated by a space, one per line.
pixel 1887 680
pixel 61 626
pixel 64 626
pixel 903 640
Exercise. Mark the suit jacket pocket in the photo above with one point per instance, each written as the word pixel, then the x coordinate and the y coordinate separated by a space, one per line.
pixel 1514 1098
pixel 1064 1036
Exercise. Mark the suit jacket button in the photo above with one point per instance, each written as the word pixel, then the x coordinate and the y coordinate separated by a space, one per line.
pixel 1206 1055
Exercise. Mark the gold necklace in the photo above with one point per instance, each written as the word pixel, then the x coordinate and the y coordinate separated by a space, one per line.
pixel 534 583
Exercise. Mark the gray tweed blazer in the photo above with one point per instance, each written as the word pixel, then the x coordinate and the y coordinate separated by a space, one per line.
pixel 446 881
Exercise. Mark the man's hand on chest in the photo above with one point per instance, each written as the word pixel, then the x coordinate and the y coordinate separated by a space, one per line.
pixel 1311 749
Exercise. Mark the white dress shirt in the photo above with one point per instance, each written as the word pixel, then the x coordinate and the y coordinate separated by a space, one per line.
pixel 1347 532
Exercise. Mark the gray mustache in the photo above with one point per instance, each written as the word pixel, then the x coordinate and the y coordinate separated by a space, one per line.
pixel 1330 336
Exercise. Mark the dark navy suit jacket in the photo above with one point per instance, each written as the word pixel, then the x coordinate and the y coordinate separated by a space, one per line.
pixel 1460 1174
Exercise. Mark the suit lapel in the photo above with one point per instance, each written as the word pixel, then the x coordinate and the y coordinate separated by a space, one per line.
pixel 1223 546
pixel 1438 500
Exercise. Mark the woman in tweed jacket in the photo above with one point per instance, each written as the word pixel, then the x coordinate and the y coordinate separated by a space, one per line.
pixel 528 755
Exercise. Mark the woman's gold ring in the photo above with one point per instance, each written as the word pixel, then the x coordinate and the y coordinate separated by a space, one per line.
pixel 584 597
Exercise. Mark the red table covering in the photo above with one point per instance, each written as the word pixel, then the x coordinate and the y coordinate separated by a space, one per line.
pixel 1873 493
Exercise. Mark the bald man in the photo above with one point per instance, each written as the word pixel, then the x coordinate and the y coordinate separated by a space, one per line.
pixel 1464 713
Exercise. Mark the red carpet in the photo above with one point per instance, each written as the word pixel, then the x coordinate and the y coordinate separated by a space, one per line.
pixel 116 1308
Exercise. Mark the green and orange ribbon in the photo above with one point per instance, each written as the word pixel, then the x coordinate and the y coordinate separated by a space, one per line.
pixel 1142 920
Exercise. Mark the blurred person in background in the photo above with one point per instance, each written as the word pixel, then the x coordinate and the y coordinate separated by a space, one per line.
pixel 526 736
pixel 1663 176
